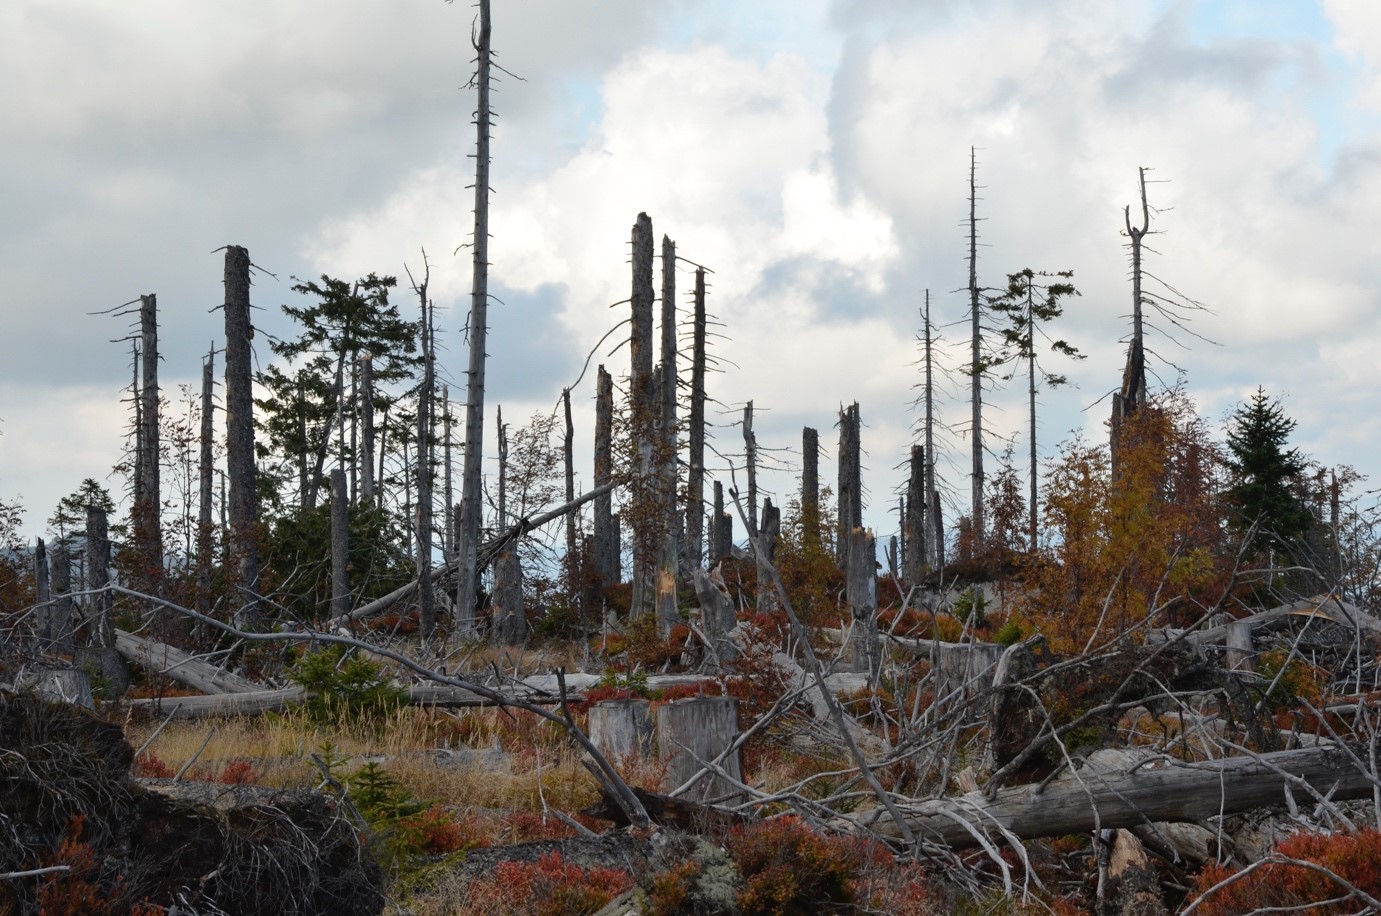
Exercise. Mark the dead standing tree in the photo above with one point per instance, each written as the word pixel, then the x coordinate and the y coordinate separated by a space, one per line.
pixel 695 462
pixel 426 603
pixel 1132 395
pixel 471 482
pixel 643 511
pixel 669 521
pixel 239 433
pixel 606 539
pixel 850 482
pixel 976 360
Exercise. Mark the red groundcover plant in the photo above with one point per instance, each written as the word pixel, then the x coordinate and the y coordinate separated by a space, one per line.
pixel 1310 874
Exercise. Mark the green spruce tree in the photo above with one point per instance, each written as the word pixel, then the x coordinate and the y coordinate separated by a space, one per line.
pixel 1267 476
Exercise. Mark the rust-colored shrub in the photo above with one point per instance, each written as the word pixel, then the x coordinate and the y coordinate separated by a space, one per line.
pixel 551 886
pixel 238 772
pixel 788 868
pixel 1356 858
pixel 150 766
pixel 433 832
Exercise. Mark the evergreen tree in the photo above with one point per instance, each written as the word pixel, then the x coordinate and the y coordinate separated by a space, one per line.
pixel 1267 477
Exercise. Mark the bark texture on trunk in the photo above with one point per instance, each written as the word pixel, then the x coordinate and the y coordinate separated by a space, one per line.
pixel 243 555
pixel 695 470
pixel 850 481
pixel 693 732
pixel 340 546
pixel 606 558
pixel 810 486
pixel 643 510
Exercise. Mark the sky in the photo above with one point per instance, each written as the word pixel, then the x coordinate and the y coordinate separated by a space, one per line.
pixel 813 154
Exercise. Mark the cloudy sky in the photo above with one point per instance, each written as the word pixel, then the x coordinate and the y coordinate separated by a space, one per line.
pixel 812 153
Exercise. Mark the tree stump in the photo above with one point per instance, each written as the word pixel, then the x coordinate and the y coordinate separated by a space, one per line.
pixel 693 733
pixel 62 685
pixel 1238 654
pixel 622 729
pixel 964 671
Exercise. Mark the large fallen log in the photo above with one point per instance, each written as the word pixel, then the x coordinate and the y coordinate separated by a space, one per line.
pixel 1349 615
pixel 160 658
pixel 1124 788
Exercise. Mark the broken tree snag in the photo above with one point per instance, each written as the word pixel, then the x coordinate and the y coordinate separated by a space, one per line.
pixel 810 487
pixel 605 533
pixel 366 375
pixel 340 546
pixel 1124 788
pixel 101 638
pixel 510 624
pixel 1238 655
pixel 1132 395
pixel 60 611
pixel 622 729
pixel 693 733
pixel 850 481
pixel 694 546
pixel 750 463
pixel 243 553
pixel 768 537
pixel 963 671
pixel 717 619
pixel 916 552
pixel 865 649
pixel 43 606
pixel 206 525
pixel 642 511
pixel 721 527
pixel 147 532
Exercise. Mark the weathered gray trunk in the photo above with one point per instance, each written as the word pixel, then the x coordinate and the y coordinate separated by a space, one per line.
pixel 606 558
pixel 861 584
pixel 366 371
pixel 471 479
pixel 935 535
pixel 695 461
pixel 60 612
pixel 101 641
pixel 572 560
pixel 937 530
pixel 750 468
pixel 963 672
pixel 448 534
pixel 810 487
pixel 914 523
pixel 622 729
pixel 717 618
pixel 669 519
pixel 721 527
pixel 148 531
pixel 767 598
pixel 426 602
pixel 510 625
pixel 644 510
pixel 976 361
pixel 850 481
pixel 340 546
pixel 243 555
pixel 693 732
pixel 206 523
pixel 43 613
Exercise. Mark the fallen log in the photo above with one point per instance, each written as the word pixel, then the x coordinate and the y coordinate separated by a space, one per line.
pixel 1348 615
pixel 1124 788
pixel 175 664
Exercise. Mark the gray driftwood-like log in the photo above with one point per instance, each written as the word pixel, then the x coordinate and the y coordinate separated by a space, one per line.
pixel 1120 788
pixel 692 733
pixel 177 665
pixel 622 729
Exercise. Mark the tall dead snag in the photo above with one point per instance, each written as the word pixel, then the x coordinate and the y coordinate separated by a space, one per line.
pixel 810 487
pixel 510 624
pixel 717 618
pixel 914 522
pixel 573 564
pixel 862 594
pixel 206 525
pixel 1132 395
pixel 721 527
pixel 750 464
pixel 850 481
pixel 239 435
pixel 43 613
pixel 976 365
pixel 366 374
pixel 935 534
pixel 426 602
pixel 695 472
pixel 643 504
pixel 471 481
pixel 60 612
pixel 669 520
pixel 606 552
pixel 448 525
pixel 148 535
pixel 340 546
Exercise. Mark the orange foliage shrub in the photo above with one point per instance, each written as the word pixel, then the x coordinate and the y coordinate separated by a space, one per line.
pixel 150 766
pixel 238 773
pixel 550 886
pixel 789 868
pixel 1356 858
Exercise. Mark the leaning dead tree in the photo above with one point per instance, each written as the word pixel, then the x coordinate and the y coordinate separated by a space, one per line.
pixel 471 494
pixel 243 553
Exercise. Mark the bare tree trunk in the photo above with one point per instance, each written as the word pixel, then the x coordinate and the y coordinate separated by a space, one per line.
pixel 60 615
pixel 471 482
pixel 572 561
pixel 644 505
pixel 340 546
pixel 935 535
pixel 669 521
pixel 1130 398
pixel 914 524
pixel 605 533
pixel 448 541
pixel 768 538
pixel 426 603
pixel 148 533
pixel 206 525
pixel 850 480
pixel 102 637
pixel 695 473
pixel 1031 392
pixel 717 617
pixel 43 616
pixel 367 429
pixel 750 461
pixel 810 487
pixel 975 366
pixel 510 624
pixel 722 527
pixel 239 423
pixel 862 595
